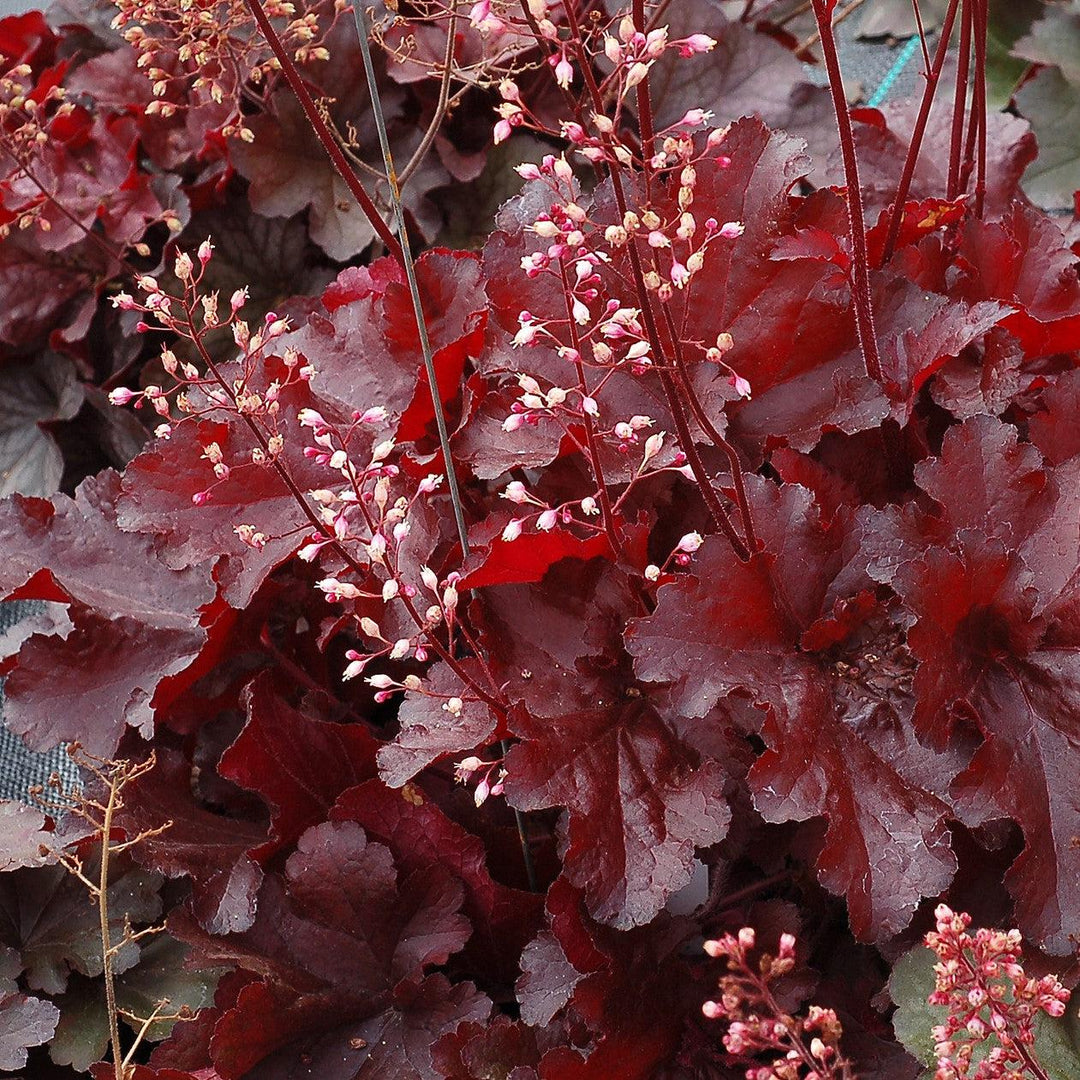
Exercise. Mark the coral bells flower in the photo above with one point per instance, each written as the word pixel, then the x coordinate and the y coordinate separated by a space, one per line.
pixel 758 1029
pixel 981 982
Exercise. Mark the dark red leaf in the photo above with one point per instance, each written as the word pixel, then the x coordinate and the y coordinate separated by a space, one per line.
pixel 24 1022
pixel 159 486
pixel 836 748
pixel 23 832
pixel 208 848
pixel 475 1051
pixel 422 837
pixel 112 669
pixel 428 734
pixel 297 764
pixel 45 914
pixel 341 938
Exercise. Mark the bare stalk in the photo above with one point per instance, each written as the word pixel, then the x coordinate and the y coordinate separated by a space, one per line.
pixel 963 63
pixel 860 278
pixel 915 145
pixel 113 776
pixel 321 131
pixel 409 266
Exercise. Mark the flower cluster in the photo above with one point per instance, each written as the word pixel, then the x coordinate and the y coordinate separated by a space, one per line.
pixel 213 51
pixel 489 776
pixel 31 116
pixel 980 980
pixel 198 391
pixel 608 333
pixel 629 54
pixel 362 516
pixel 757 1027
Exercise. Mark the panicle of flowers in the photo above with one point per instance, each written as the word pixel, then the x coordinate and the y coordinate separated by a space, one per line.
pixel 625 268
pixel 28 117
pixel 782 1047
pixel 487 40
pixel 990 1000
pixel 365 514
pixel 598 333
pixel 191 313
pixel 212 51
pixel 628 55
pixel 489 776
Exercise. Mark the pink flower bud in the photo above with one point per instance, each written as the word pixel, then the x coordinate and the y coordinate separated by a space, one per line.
pixel 742 387
pixel 353 669
pixel 479 13
pixel 564 71
pixel 695 43
pixel 573 132
pixel 693 117
pixel 653 445
pixel 512 531
pixel 690 542
pixel 122 395
pixel 731 229
pixel 516 492
pixel 547 520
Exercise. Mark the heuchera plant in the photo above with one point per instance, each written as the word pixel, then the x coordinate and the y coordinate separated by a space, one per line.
pixel 705 558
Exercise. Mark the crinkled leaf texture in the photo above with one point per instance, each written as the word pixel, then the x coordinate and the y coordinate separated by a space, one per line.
pixel 124 646
pixel 24 1022
pixel 340 946
pixel 842 748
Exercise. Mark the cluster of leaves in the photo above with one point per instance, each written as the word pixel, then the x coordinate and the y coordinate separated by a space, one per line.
pixel 869 707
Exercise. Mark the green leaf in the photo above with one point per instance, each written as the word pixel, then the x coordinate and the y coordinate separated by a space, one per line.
pixel 82 1035
pixel 1051 104
pixel 1010 21
pixel 160 974
pixel 1057 1042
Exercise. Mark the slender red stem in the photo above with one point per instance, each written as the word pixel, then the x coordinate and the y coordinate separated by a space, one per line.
pixel 718 440
pixel 659 347
pixel 195 336
pixel 963 64
pixel 915 145
pixel 644 100
pixel 590 431
pixel 322 132
pixel 860 279
pixel 968 164
pixel 922 36
pixel 978 104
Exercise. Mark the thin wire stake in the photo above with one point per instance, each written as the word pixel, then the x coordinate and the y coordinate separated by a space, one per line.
pixel 360 15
